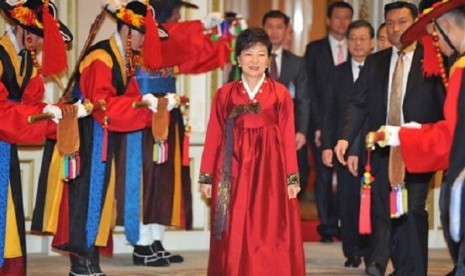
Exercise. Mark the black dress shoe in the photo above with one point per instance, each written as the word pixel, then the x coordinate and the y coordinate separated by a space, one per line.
pixel 158 248
pixel 79 266
pixel 326 239
pixel 94 263
pixel 144 255
pixel 353 261
pixel 373 269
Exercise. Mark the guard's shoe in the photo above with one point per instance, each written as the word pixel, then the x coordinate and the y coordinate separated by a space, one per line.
pixel 161 252
pixel 144 255
pixel 79 266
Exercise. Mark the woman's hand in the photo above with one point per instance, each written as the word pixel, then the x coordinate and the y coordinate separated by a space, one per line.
pixel 293 190
pixel 206 190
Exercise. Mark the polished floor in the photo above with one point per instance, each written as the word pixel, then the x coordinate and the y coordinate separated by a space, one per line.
pixel 321 259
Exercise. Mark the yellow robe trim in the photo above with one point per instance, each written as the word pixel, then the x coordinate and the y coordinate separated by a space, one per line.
pixel 98 54
pixel 177 200
pixel 54 193
pixel 122 62
pixel 107 219
pixel 12 244
pixel 460 63
pixel 102 55
pixel 6 42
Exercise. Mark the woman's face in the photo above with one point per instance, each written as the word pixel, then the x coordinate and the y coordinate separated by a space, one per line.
pixel 254 60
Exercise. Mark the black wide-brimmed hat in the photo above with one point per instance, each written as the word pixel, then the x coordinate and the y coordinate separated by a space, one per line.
pixel 133 14
pixel 29 15
pixel 164 8
pixel 430 10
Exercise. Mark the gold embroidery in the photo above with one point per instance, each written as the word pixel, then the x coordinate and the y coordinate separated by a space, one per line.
pixel 205 178
pixel 293 178
pixel 245 108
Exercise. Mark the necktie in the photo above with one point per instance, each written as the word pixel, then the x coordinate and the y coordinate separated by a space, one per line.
pixel 340 54
pixel 359 67
pixel 396 163
pixel 273 67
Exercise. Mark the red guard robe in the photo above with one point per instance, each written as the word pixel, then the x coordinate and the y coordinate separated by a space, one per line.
pixel 428 149
pixel 98 74
pixel 20 96
pixel 263 234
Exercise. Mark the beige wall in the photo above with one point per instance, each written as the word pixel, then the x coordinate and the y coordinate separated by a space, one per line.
pixel 87 10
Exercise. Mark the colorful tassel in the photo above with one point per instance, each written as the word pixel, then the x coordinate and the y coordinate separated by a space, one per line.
pixel 66 167
pixel 105 139
pixel 405 199
pixel 365 199
pixel 54 60
pixel 156 147
pixel 160 152
pixel 365 216
pixel 71 166
pixel 392 203
pixel 398 201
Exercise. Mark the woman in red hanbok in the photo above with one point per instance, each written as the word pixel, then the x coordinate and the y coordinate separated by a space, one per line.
pixel 249 169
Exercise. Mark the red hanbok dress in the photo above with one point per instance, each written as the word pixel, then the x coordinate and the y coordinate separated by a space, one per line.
pixel 262 235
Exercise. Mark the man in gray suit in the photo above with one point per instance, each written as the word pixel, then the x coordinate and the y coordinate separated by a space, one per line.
pixel 289 70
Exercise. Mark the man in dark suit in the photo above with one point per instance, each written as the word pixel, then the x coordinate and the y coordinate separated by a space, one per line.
pixel 320 58
pixel 290 71
pixel 405 239
pixel 360 44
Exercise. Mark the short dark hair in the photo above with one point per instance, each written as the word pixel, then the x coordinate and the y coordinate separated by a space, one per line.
pixel 361 24
pixel 276 14
pixel 399 5
pixel 339 4
pixel 250 37
pixel 382 25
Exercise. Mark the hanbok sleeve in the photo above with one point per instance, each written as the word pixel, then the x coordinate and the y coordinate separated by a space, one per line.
pixel 428 148
pixel 96 84
pixel 15 128
pixel 213 140
pixel 287 128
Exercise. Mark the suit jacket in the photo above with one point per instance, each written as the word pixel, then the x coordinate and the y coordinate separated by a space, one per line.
pixel 335 100
pixel 319 63
pixel 293 71
pixel 423 100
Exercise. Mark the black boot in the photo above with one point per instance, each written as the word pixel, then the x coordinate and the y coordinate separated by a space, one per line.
pixel 94 262
pixel 161 252
pixel 144 255
pixel 79 266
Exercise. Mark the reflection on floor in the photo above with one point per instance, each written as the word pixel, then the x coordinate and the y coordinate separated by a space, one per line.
pixel 321 259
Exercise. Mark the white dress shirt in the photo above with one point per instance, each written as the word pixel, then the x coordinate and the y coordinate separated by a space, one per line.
pixel 356 67
pixel 334 43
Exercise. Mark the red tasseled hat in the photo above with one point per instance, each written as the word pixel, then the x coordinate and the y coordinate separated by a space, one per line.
pixel 431 11
pixel 141 17
pixel 40 18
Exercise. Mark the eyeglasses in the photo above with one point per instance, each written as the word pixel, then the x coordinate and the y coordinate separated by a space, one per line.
pixel 361 39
